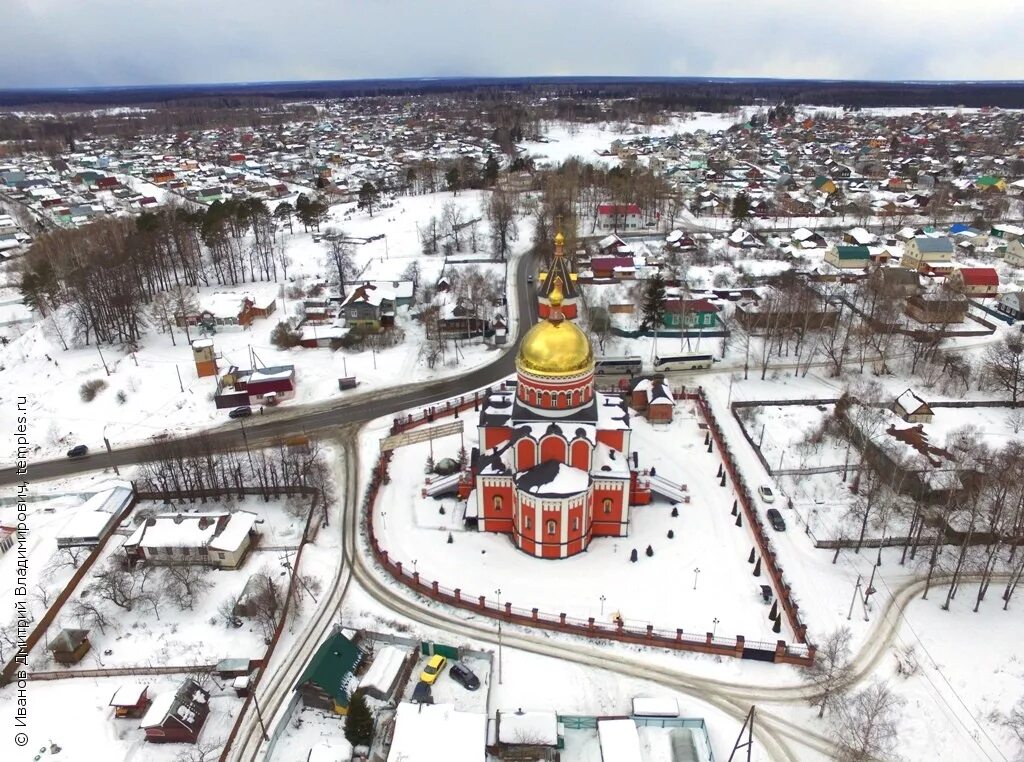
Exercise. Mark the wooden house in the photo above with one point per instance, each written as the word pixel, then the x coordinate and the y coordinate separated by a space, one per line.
pixel 928 255
pixel 177 716
pixel 939 307
pixel 848 257
pixel 981 282
pixel 653 397
pixel 369 306
pixel 70 646
pixel 895 281
pixel 329 681
pixel 690 314
pixel 1012 304
pixel 1015 253
pixel 131 700
pixel 912 408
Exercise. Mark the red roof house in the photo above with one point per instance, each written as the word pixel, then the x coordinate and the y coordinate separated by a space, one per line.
pixel 974 281
pixel 177 716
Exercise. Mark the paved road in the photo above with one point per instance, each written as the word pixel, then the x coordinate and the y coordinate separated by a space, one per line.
pixel 318 417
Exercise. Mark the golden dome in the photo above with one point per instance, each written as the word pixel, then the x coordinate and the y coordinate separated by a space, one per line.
pixel 555 347
pixel 559 239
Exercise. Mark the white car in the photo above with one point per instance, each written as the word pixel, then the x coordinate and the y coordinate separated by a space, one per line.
pixel 766 494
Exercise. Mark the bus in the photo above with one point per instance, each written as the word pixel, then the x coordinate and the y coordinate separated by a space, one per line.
pixel 683 362
pixel 623 366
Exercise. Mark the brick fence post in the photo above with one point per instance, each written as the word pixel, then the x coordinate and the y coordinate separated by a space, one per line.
pixel 398 566
pixel 561 618
pixel 483 602
pixel 433 587
pixel 508 610
pixel 534 610
pixel 740 640
pixel 458 593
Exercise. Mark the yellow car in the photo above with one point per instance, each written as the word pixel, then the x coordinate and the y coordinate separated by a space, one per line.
pixel 433 669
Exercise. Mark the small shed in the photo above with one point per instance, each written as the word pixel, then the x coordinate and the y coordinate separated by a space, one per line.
pixel 533 729
pixel 131 700
pixel 912 408
pixel 70 646
pixel 233 668
pixel 380 679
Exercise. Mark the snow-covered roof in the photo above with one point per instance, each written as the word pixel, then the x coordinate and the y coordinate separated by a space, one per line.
pixel 219 531
pixel 96 514
pixel 619 740
pixel 644 706
pixel 552 478
pixel 335 750
pixel 384 669
pixel 519 727
pixel 128 695
pixel 158 709
pixel 437 733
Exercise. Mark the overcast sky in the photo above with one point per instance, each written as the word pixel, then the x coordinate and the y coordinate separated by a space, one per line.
pixel 66 43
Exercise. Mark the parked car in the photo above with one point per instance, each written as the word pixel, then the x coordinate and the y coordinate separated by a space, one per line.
pixel 529 279
pixel 78 451
pixel 464 676
pixel 766 494
pixel 240 412
pixel 776 520
pixel 421 694
pixel 435 666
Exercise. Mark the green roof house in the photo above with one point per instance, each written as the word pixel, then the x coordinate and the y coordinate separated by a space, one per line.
pixel 849 257
pixel 329 681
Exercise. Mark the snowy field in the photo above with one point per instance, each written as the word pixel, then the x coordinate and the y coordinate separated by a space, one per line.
pixel 565 140
pixel 413 529
pixel 81 722
pixel 143 397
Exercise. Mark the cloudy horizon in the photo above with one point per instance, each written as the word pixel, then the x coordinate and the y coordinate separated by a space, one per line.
pixel 115 43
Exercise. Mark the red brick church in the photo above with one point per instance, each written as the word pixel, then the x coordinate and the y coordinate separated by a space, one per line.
pixel 553 468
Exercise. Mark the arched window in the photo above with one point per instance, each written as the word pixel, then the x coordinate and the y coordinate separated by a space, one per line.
pixel 498 502
pixel 545 399
pixel 607 505
pixel 576 524
pixel 526 522
pixel 551 527
pixel 576 398
pixel 533 396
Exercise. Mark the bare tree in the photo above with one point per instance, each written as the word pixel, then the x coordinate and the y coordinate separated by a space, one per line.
pixel 201 751
pixel 90 613
pixel 184 303
pixel 161 310
pixel 1013 721
pixel 866 725
pixel 340 260
pixel 501 214
pixel 452 220
pixel 831 670
pixel 118 585
pixel 1003 365
pixel 184 584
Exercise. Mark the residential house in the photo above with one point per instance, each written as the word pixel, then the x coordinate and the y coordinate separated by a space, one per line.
pixel 528 735
pixel 982 282
pixel 690 314
pixel 912 408
pixel 744 239
pixel 859 237
pixel 69 646
pixel 620 268
pixel 177 716
pixel 895 281
pixel 219 539
pixel 619 216
pixel 1012 304
pixel 823 184
pixel 928 254
pixel 937 307
pixel 224 309
pixel 329 680
pixel 369 306
pixel 1007 232
pixel 1015 253
pixel 848 257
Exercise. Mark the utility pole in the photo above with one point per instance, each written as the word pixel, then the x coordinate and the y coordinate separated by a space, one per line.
pixel 259 716
pixel 180 384
pixel 748 728
pixel 101 357
pixel 856 595
pixel 110 453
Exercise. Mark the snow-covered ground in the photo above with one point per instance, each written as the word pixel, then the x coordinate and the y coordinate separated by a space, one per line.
pixel 76 716
pixel 565 140
pixel 143 396
pixel 414 531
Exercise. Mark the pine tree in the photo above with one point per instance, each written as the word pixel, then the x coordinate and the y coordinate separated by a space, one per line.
pixel 368 197
pixel 649 551
pixel 633 556
pixel 490 170
pixel 358 721
pixel 741 207
pixel 671 534
pixel 653 307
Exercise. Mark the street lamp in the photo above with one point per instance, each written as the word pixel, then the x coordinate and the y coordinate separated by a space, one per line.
pixel 110 454
pixel 696 572
pixel 498 593
pixel 384 518
pixel 603 599
pixel 714 626
pixel 245 439
pixel 414 562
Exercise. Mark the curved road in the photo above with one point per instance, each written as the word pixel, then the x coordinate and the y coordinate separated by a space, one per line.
pixel 321 417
